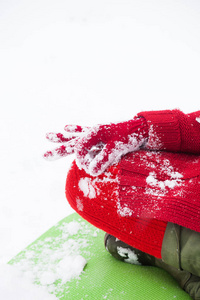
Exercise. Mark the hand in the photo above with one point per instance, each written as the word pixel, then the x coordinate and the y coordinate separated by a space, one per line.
pixel 104 145
pixel 99 147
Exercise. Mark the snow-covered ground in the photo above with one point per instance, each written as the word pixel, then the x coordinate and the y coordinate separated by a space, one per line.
pixel 80 62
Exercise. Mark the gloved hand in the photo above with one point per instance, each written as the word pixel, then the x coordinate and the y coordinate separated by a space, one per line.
pixel 99 147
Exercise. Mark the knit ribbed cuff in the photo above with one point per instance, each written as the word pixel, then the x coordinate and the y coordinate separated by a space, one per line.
pixel 164 130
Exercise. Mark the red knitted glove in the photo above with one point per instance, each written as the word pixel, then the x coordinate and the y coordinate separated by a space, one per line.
pixel 110 143
pixel 100 146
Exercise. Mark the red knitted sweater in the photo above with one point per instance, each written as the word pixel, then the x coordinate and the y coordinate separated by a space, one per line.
pixel 135 199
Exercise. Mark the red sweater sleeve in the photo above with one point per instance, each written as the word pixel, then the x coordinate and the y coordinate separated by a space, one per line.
pixel 172 130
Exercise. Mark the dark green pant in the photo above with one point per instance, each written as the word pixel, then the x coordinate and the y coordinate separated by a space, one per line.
pixel 181 257
pixel 181 248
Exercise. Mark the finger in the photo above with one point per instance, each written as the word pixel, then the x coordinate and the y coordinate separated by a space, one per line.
pixel 88 146
pixel 83 151
pixel 94 137
pixel 58 137
pixel 61 151
pixel 109 155
pixel 76 128
pixel 57 153
pixel 102 160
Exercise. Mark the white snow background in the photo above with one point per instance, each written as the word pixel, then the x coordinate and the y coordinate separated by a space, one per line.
pixel 79 62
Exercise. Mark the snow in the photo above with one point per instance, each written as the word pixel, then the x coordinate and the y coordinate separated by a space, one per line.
pixel 73 227
pixel 14 286
pixel 160 187
pixel 86 186
pixel 129 255
pixel 54 261
pixel 89 186
pixel 124 211
pixel 154 141
pixel 153 181
pixel 79 62
pixel 79 204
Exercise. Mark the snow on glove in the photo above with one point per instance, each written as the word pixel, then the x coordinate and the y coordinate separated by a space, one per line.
pixel 99 147
pixel 104 145
pixel 68 141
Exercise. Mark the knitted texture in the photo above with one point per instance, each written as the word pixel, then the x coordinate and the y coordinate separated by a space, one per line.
pixel 161 185
pixel 97 200
pixel 172 130
pixel 135 199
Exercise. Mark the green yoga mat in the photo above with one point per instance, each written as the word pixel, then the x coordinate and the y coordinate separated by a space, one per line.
pixel 50 261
